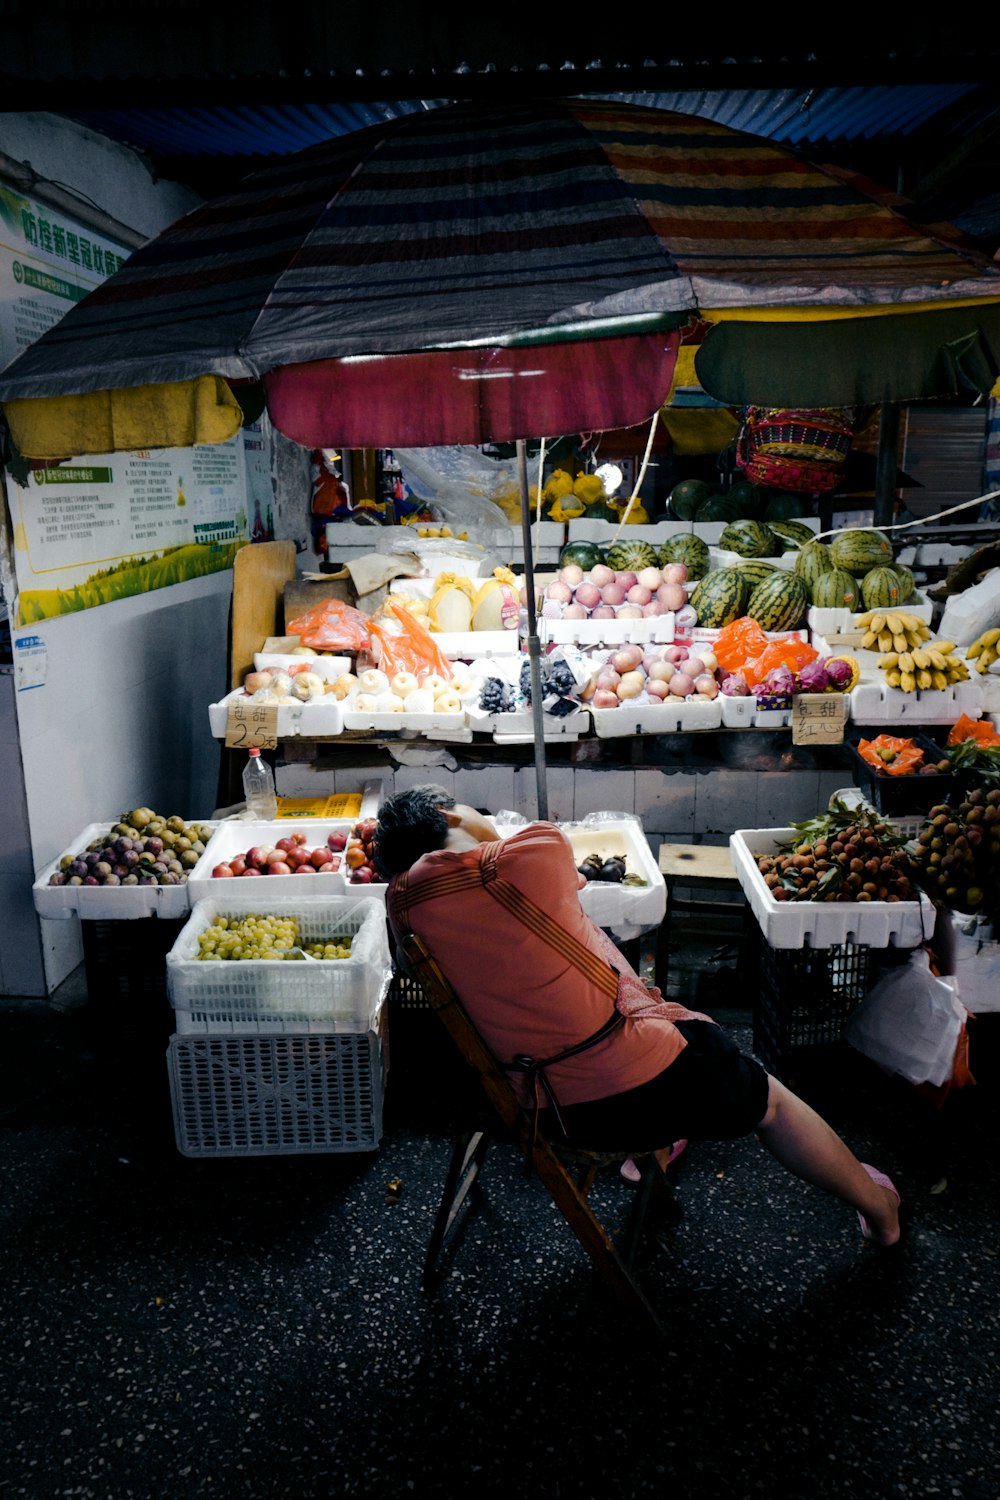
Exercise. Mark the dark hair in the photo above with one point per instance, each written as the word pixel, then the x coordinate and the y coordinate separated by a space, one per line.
pixel 410 824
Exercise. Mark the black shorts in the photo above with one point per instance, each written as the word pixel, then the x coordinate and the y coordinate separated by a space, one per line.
pixel 711 1092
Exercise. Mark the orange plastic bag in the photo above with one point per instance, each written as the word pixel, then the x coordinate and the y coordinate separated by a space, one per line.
pixel 332 625
pixel 907 757
pixel 791 653
pixel 980 730
pixel 404 645
pixel 738 642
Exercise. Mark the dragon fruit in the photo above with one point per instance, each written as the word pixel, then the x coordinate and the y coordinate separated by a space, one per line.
pixel 734 686
pixel 839 673
pixel 813 678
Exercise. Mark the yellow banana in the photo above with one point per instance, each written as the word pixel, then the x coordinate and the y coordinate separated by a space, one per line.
pixel 907 682
pixel 921 660
pixel 890 659
pixel 939 679
pixel 924 678
pixel 905 662
pixel 900 640
pixel 974 650
pixel 893 677
pixel 885 641
pixel 876 622
pixel 869 640
pixel 894 623
pixel 945 647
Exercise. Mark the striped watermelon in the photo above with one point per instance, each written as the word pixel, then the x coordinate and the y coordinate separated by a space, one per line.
pixel 792 533
pixel 750 539
pixel 812 560
pixel 779 603
pixel 755 570
pixel 689 550
pixel 720 598
pixel 837 589
pixel 628 556
pixel 880 589
pixel 907 583
pixel 858 551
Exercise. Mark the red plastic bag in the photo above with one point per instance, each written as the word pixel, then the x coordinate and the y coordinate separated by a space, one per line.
pixel 980 730
pixel 332 625
pixel 403 645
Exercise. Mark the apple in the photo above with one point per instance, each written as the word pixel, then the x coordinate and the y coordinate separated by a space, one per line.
pixel 627 658
pixel 257 856
pixel 675 573
pixel 605 698
pixel 657 688
pixel 318 858
pixel 601 575
pixel 588 594
pixel 631 685
pixel 650 578
pixel 626 579
pixel 364 875
pixel 603 612
pixel 639 594
pixel 336 841
pixel 681 685
pixel 238 865
pixel 278 867
pixel 304 869
pixel 672 595
pixel 223 872
pixel 613 593
pixel 571 574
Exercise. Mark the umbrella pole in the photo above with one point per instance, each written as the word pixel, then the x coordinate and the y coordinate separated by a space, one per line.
pixel 534 646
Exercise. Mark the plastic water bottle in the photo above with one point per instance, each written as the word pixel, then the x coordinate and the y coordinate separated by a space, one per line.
pixel 258 788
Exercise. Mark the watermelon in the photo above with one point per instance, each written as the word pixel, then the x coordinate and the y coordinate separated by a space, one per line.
pixel 750 539
pixel 812 560
pixel 718 508
pixel 859 551
pixel 720 597
pixel 836 589
pixel 630 556
pixel 602 511
pixel 687 496
pixel 689 550
pixel 779 603
pixel 907 583
pixel 586 555
pixel 751 499
pixel 784 506
pixel 755 570
pixel 793 533
pixel 880 589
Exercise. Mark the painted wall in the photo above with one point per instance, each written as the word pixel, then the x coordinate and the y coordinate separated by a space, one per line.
pixel 120 714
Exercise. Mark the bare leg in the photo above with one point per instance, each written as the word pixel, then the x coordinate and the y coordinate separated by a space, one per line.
pixel 804 1143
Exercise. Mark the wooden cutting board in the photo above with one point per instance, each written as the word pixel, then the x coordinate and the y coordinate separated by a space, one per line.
pixel 260 573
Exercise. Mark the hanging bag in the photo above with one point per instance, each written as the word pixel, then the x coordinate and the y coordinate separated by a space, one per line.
pixel 802 451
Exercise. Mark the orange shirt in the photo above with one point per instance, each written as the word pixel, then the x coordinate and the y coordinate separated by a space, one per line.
pixel 522 995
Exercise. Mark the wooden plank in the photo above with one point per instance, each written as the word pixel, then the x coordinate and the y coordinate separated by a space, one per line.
pixel 260 573
pixel 698 864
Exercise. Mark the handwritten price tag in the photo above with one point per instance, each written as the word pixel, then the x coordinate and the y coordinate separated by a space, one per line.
pixel 252 724
pixel 818 718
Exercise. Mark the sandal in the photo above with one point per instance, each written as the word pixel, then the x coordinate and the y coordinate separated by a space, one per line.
pixel 632 1174
pixel 883 1181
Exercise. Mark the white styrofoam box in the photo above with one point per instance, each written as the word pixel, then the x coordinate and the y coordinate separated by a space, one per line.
pixel 463 645
pixel 822 924
pixel 828 622
pixel 829 646
pixel 314 720
pixel 101 902
pixel 547 541
pixel 329 668
pixel 517 727
pixel 271 995
pixel 235 836
pixel 345 539
pixel 968 952
pixel 679 716
pixel 875 703
pixel 604 532
pixel 707 634
pixel 737 713
pixel 659 629
pixel 452 726
pixel 772 718
pixel 238 1096
pixel 627 911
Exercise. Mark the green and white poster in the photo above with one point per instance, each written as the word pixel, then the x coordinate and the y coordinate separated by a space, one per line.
pixel 93 530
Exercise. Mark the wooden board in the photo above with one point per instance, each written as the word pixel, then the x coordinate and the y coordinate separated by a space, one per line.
pixel 699 864
pixel 260 573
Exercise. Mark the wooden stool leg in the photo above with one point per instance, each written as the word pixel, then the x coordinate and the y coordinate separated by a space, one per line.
pixel 463 1171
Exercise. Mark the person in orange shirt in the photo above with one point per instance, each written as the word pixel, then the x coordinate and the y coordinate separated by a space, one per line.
pixel 602 1057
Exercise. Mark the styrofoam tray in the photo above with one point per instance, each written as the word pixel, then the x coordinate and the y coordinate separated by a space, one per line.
pixel 822 924
pixel 875 703
pixel 737 713
pixel 627 911
pixel 660 629
pixel 679 717
pixel 268 995
pixel 119 902
pixel 235 836
pixel 604 532
pixel 445 726
pixel 319 718
pixel 830 621
pixel 328 668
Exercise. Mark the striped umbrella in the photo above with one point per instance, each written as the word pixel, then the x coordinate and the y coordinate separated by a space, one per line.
pixel 471 273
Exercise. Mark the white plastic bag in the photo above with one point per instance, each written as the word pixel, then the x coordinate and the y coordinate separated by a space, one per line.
pixel 910 1022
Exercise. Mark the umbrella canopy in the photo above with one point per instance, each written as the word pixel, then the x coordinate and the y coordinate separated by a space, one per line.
pixel 454 275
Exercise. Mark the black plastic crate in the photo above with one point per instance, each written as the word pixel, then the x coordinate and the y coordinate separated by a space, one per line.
pixel 405 993
pixel 805 996
pixel 895 796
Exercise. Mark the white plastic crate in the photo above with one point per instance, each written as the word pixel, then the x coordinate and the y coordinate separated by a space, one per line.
pixel 235 1096
pixel 282 995
pixel 657 628
pixel 822 924
pixel 627 911
pixel 118 902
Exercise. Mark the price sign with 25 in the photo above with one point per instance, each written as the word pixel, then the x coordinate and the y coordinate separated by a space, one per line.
pixel 250 724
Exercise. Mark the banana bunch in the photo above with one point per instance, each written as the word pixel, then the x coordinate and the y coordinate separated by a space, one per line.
pixel 891 630
pixel 985 649
pixel 933 665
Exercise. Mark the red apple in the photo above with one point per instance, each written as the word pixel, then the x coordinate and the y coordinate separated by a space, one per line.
pixel 304 869
pixel 363 876
pixel 278 867
pixel 336 841
pixel 238 865
pixel 223 872
pixel 285 844
pixel 319 857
